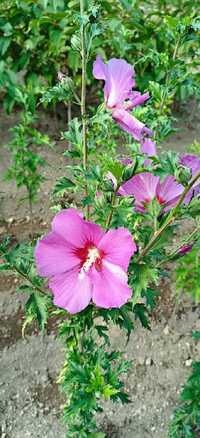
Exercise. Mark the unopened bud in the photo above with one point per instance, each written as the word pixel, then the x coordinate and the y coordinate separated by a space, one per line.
pixel 185 249
pixel 129 171
pixel 183 175
pixel 107 186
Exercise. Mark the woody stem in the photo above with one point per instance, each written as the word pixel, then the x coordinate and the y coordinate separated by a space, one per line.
pixel 113 202
pixel 83 98
pixel 170 219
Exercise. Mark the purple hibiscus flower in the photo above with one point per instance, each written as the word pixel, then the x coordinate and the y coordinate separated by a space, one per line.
pixel 84 263
pixel 193 163
pixel 118 94
pixel 145 187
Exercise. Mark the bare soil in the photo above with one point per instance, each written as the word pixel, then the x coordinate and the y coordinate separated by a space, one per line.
pixel 30 401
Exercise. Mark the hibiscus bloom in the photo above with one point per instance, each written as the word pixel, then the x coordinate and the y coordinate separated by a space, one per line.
pixel 148 147
pixel 193 163
pixel 145 187
pixel 118 94
pixel 84 263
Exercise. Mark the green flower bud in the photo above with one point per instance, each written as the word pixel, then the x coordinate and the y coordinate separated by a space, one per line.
pixel 183 175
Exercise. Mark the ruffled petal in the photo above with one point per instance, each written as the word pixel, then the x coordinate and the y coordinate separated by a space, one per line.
pixel 130 124
pixel 193 162
pixel 142 187
pixel 119 81
pixel 54 255
pixel 168 190
pixel 72 291
pixel 99 68
pixel 148 147
pixel 136 99
pixel 110 288
pixel 92 232
pixel 118 247
pixel 69 225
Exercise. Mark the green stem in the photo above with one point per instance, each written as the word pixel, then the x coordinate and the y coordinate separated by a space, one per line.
pixel 184 242
pixel 167 82
pixel 15 268
pixel 75 337
pixel 113 202
pixel 83 99
pixel 31 213
pixel 170 219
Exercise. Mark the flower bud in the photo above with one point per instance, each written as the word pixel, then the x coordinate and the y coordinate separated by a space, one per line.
pixel 129 171
pixel 107 185
pixel 183 175
pixel 185 249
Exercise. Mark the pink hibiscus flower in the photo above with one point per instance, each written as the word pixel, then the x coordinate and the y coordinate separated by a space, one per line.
pixel 145 187
pixel 118 94
pixel 148 147
pixel 84 263
pixel 193 162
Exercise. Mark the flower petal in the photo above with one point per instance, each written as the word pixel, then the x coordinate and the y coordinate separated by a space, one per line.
pixel 110 288
pixel 69 225
pixel 130 124
pixel 118 247
pixel 119 81
pixel 136 98
pixel 92 232
pixel 99 68
pixel 142 187
pixel 168 190
pixel 193 162
pixel 54 255
pixel 71 291
pixel 148 147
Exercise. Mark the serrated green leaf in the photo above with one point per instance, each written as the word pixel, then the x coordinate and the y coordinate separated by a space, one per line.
pixel 36 308
pixel 62 185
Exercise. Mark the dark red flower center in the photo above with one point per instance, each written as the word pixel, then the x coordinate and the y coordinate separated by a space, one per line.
pixel 160 200
pixel 90 256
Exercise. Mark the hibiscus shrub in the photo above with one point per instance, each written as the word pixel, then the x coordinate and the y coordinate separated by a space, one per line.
pixel 101 261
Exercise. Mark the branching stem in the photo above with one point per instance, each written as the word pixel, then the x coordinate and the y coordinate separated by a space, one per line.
pixel 169 220
pixel 83 99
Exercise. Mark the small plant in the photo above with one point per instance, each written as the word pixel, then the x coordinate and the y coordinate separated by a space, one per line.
pixel 187 273
pixel 26 163
pixel 186 419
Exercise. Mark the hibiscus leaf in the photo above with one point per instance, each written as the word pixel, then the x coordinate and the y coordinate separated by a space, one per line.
pixel 62 185
pixel 141 312
pixel 150 296
pixel 36 308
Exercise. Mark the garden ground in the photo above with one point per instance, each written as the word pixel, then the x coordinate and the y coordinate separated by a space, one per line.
pixel 30 402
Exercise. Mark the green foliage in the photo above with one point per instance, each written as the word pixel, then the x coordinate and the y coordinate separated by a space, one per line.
pixel 20 260
pixel 187 273
pixel 61 92
pixel 26 163
pixel 88 377
pixel 186 419
pixel 45 40
pixel 41 38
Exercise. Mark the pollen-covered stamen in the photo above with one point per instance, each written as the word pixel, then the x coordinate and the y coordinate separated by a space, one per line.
pixel 93 256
